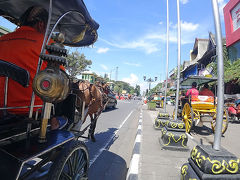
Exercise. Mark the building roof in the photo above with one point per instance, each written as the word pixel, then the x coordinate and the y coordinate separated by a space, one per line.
pixel 210 50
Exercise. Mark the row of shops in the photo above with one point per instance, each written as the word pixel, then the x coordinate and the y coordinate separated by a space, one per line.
pixel 204 50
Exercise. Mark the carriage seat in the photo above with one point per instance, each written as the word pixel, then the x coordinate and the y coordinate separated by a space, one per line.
pixel 14 72
pixel 202 102
pixel 21 76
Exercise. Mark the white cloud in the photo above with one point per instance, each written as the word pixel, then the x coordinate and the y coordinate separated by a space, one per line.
pixel 102 50
pixel 132 80
pixel 186 37
pixel 184 1
pixel 221 5
pixel 186 26
pixel 160 23
pixel 148 47
pixel 104 66
pixel 132 64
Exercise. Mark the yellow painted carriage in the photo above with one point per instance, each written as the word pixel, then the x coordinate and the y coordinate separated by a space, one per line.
pixel 199 109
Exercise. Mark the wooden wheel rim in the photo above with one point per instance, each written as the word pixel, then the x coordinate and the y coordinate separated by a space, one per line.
pixel 187 117
pixel 224 123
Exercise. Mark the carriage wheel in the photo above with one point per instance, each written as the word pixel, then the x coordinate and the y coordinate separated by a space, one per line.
pixel 71 164
pixel 225 121
pixel 187 116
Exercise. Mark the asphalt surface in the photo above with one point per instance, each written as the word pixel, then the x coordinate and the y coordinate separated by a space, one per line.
pixel 115 133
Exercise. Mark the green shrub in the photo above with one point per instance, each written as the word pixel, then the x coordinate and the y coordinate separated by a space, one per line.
pixel 151 105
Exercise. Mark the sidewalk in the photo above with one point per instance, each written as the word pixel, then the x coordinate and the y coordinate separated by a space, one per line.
pixel 155 163
pixel 158 164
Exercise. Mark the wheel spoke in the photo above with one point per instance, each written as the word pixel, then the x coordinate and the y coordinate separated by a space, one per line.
pixel 81 164
pixel 75 161
pixel 78 161
pixel 66 176
pixel 69 165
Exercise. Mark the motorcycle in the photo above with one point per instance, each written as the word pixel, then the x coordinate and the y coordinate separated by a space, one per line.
pixel 234 110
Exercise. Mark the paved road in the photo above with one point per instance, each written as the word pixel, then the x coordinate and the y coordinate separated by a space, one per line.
pixel 115 134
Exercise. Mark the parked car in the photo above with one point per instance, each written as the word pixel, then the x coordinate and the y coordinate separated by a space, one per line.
pixel 112 103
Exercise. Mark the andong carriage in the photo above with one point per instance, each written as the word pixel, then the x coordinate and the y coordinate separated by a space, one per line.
pixel 196 108
pixel 28 148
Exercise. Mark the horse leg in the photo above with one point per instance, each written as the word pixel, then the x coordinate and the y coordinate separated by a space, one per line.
pixel 92 128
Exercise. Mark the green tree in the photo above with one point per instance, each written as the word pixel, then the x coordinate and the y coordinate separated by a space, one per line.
pixel 121 85
pixel 226 62
pixel 231 69
pixel 76 63
pixel 137 90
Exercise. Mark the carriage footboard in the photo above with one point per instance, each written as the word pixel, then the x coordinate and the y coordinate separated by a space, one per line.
pixel 14 156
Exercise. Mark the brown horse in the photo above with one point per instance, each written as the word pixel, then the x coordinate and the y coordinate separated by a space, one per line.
pixel 92 96
pixel 105 90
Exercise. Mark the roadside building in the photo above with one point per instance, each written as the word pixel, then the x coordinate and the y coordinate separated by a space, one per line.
pixel 89 76
pixel 232 28
pixel 203 53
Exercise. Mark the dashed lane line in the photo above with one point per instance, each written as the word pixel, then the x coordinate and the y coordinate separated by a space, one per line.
pixel 134 163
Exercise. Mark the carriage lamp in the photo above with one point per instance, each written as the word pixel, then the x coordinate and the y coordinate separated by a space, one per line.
pixel 52 84
pixel 45 84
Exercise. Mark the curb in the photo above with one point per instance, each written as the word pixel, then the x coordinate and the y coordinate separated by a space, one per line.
pixel 134 163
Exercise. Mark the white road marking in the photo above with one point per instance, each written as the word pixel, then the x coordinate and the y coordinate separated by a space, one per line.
pixel 108 142
pixel 138 138
pixel 134 164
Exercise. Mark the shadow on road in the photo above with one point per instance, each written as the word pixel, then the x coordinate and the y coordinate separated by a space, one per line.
pixel 108 166
pixel 204 130
pixel 103 140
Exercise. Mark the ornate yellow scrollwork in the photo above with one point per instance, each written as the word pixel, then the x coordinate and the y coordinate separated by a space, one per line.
pixel 164 124
pixel 175 125
pixel 217 166
pixel 184 171
pixel 183 137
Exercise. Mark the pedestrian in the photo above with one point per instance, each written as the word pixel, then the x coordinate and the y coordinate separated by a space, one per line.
pixel 205 91
pixel 193 91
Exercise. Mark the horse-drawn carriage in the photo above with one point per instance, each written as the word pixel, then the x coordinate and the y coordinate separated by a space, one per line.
pixel 29 149
pixel 196 108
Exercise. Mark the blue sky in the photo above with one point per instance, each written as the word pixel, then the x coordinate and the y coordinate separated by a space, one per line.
pixel 132 35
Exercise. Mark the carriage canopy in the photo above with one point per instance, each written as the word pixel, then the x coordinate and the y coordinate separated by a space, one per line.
pixel 72 25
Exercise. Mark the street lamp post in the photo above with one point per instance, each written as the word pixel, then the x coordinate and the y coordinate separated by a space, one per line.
pixel 149 80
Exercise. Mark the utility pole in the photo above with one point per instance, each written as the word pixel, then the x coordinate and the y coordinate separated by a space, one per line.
pixel 165 94
pixel 179 60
